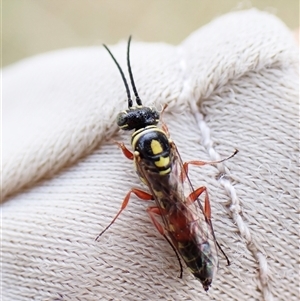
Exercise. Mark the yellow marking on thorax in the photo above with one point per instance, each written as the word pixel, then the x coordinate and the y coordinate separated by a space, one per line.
pixel 156 147
pixel 162 162
pixel 165 172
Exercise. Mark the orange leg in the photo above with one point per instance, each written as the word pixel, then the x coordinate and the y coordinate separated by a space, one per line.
pixel 195 195
pixel 127 153
pixel 153 211
pixel 184 171
pixel 139 193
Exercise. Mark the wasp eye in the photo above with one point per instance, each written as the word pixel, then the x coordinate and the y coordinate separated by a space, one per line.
pixel 122 120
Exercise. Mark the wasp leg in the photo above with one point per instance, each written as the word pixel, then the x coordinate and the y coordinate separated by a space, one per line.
pixel 139 193
pixel 184 171
pixel 195 195
pixel 207 212
pixel 153 211
pixel 127 153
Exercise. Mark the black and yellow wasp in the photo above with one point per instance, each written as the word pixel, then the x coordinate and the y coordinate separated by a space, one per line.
pixel 187 225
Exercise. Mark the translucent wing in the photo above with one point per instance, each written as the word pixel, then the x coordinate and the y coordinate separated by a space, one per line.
pixel 184 220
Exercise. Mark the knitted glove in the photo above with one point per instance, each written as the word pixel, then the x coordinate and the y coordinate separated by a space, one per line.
pixel 231 84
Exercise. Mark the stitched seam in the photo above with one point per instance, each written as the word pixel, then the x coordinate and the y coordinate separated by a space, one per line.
pixel 235 208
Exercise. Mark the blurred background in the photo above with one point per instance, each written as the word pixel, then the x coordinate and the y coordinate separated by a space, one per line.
pixel 35 26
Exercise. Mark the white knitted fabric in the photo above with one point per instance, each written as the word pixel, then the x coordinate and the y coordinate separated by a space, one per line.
pixel 231 84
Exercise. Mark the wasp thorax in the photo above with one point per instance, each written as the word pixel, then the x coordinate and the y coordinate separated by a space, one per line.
pixel 137 117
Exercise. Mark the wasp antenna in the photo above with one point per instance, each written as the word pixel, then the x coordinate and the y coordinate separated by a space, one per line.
pixel 130 103
pixel 137 98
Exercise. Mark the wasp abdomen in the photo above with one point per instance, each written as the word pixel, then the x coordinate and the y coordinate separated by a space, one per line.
pixel 199 259
pixel 153 146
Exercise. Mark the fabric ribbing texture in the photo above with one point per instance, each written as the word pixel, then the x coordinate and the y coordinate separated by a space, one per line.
pixel 231 84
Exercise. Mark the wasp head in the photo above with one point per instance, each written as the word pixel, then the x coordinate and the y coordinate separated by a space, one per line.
pixel 137 117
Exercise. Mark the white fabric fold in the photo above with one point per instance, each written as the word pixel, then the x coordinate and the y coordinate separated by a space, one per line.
pixel 231 84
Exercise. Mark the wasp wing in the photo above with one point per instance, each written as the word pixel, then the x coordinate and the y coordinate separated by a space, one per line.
pixel 184 220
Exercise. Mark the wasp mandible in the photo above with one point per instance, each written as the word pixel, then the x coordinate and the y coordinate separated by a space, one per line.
pixel 186 224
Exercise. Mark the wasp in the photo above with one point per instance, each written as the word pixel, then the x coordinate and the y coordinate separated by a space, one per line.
pixel 184 222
